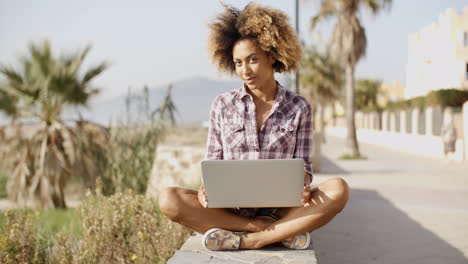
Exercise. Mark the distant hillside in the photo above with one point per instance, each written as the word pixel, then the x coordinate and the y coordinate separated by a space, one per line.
pixel 192 97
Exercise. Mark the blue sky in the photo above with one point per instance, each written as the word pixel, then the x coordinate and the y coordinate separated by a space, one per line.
pixel 156 42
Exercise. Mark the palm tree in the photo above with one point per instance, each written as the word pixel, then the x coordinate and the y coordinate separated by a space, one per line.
pixel 321 78
pixel 347 45
pixel 43 161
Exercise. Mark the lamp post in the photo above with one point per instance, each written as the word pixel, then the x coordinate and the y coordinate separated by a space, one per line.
pixel 297 30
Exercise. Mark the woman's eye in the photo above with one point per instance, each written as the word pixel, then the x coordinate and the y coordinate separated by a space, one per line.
pixel 237 63
pixel 253 59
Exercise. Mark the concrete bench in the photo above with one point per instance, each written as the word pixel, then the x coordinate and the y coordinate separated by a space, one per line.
pixel 193 252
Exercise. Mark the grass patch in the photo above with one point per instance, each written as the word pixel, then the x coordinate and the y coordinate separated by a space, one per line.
pixel 3 185
pixel 352 157
pixel 54 221
pixel 51 221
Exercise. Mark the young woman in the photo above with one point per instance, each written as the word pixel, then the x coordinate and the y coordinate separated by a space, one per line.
pixel 260 120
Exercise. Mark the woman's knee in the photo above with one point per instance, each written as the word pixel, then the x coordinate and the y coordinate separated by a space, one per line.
pixel 338 192
pixel 169 203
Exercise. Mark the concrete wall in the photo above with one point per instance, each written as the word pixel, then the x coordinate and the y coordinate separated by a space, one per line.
pixel 430 146
pixel 412 130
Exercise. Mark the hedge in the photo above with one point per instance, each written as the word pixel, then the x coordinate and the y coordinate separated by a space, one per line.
pixel 442 97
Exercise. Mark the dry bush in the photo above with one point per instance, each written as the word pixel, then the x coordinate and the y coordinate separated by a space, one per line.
pixel 123 228
pixel 21 240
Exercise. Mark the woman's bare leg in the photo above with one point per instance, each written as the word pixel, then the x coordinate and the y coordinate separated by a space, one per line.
pixel 327 200
pixel 182 206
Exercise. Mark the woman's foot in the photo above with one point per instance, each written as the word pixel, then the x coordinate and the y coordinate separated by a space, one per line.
pixel 220 239
pixel 301 241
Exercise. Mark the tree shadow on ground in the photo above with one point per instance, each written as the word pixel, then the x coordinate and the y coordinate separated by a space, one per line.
pixel 372 230
pixel 329 167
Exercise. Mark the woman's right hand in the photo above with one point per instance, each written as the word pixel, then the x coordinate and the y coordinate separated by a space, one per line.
pixel 202 196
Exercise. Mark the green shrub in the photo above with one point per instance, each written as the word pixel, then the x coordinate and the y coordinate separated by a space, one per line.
pixel 447 97
pixel 442 97
pixel 129 157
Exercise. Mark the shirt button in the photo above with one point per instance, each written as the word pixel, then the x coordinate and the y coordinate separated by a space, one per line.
pixel 282 130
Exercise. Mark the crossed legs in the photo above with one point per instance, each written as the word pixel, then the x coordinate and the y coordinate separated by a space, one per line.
pixel 327 200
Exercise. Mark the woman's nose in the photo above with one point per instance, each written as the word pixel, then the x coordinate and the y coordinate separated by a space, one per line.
pixel 246 69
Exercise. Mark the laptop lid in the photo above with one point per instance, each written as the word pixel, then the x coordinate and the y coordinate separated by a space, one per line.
pixel 253 183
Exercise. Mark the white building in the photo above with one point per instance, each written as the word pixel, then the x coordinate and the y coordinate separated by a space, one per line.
pixel 438 55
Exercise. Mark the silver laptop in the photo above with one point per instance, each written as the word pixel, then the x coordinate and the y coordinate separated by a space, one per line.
pixel 253 183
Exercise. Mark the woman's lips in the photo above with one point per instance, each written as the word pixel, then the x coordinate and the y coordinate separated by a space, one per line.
pixel 250 80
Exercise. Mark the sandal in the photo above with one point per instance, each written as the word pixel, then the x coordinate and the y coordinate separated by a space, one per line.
pixel 220 239
pixel 301 241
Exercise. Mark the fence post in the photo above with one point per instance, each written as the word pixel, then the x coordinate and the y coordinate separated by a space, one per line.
pixel 371 121
pixel 378 120
pixel 403 121
pixel 465 131
pixel 366 120
pixel 392 121
pixel 384 121
pixel 429 121
pixel 414 121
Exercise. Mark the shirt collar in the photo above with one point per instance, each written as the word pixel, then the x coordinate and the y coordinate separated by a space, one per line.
pixel 280 92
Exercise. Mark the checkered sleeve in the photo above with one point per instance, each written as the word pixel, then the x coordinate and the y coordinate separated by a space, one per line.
pixel 304 139
pixel 214 146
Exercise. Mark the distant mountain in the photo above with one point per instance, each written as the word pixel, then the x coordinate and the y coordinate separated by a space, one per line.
pixel 192 97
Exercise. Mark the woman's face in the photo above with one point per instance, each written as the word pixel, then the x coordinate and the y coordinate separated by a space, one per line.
pixel 253 65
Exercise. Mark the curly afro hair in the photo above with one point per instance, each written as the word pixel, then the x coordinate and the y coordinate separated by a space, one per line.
pixel 268 27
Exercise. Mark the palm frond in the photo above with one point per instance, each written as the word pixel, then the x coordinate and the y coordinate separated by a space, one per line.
pixel 11 75
pixel 327 9
pixel 93 72
pixel 41 54
pixel 78 61
pixel 8 103
pixel 375 6
pixel 321 76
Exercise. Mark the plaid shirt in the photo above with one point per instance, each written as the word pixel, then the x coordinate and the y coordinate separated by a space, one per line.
pixel 286 132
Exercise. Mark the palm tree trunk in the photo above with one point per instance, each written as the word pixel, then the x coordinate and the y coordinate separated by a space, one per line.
pixel 314 115
pixel 351 145
pixel 333 113
pixel 322 122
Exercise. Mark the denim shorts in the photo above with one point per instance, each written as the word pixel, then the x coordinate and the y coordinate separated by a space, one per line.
pixel 253 212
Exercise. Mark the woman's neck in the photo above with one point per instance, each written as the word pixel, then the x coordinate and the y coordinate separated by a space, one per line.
pixel 265 93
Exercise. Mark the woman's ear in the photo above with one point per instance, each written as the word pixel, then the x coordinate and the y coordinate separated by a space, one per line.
pixel 272 59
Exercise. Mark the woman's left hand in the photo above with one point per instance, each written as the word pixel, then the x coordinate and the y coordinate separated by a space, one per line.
pixel 306 192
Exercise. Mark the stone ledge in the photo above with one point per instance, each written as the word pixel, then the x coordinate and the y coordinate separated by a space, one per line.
pixel 193 252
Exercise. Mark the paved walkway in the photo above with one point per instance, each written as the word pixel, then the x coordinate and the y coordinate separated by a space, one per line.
pixel 403 208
